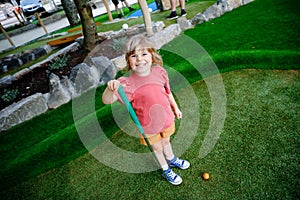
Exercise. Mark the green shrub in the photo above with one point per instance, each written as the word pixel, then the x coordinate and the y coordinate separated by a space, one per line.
pixel 59 62
pixel 9 95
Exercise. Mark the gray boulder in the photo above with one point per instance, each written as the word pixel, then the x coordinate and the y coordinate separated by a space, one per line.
pixel 59 94
pixel 82 79
pixel 23 110
pixel 165 36
pixel 184 24
pixel 105 69
pixel 218 9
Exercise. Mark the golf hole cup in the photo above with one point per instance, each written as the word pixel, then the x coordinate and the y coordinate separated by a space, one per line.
pixel 205 176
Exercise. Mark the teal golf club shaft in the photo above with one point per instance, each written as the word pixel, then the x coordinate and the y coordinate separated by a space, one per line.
pixel 135 119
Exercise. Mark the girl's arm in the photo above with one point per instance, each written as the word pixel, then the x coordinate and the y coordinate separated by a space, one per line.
pixel 108 96
pixel 174 106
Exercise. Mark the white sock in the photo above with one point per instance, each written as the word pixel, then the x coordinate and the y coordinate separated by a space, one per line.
pixel 165 167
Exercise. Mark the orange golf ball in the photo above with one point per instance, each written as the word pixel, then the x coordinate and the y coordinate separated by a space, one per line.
pixel 205 176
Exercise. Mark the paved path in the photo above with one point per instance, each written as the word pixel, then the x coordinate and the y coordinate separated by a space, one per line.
pixel 38 32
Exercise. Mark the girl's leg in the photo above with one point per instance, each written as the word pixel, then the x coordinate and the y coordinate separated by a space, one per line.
pixel 172 159
pixel 167 148
pixel 170 175
pixel 158 150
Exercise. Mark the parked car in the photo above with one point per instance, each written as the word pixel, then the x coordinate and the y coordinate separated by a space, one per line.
pixel 30 7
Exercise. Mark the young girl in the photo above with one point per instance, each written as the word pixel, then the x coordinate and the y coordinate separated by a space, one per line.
pixel 148 90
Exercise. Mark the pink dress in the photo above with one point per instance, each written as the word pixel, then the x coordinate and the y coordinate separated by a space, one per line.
pixel 149 96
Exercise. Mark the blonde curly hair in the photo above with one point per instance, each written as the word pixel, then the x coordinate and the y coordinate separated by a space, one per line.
pixel 141 42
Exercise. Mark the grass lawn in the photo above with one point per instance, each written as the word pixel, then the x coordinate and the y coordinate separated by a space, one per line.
pixel 256 49
pixel 256 156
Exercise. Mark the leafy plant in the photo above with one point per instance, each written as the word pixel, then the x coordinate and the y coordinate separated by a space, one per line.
pixel 9 95
pixel 59 62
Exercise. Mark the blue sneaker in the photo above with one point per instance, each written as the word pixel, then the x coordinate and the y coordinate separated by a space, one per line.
pixel 172 177
pixel 181 164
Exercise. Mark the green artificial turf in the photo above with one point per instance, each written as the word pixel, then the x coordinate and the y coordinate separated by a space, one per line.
pixel 256 156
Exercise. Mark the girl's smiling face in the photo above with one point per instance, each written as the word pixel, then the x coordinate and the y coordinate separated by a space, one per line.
pixel 140 61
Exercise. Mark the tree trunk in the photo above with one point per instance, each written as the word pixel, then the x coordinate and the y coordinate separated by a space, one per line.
pixel 71 12
pixel 146 16
pixel 88 24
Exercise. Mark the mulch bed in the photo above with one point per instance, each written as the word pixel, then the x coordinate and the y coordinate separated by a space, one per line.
pixel 38 80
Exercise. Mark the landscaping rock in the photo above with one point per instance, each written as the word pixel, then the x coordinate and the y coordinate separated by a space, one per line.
pixel 10 62
pixel 7 80
pixel 59 94
pixel 158 26
pixel 16 60
pixel 165 36
pixel 109 73
pixel 198 19
pixel 105 69
pixel 26 57
pixel 20 74
pixel 24 110
pixel 214 11
pixel 184 24
pixel 229 5
pixel 218 9
pixel 82 79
